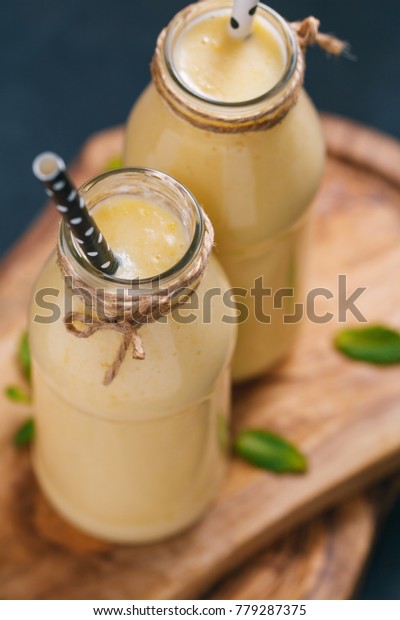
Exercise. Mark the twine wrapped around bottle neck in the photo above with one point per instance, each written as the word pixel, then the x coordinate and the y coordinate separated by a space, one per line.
pixel 255 118
pixel 126 314
pixel 307 33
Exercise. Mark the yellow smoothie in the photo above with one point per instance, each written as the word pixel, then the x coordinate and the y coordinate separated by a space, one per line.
pixel 140 459
pixel 213 64
pixel 146 238
pixel 256 186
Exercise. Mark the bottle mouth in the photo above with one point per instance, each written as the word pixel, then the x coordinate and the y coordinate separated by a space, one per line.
pixel 156 187
pixel 214 8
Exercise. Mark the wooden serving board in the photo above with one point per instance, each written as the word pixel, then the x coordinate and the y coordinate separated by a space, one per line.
pixel 344 415
pixel 323 559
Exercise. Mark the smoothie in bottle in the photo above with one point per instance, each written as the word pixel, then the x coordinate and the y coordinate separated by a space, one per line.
pixel 141 458
pixel 228 118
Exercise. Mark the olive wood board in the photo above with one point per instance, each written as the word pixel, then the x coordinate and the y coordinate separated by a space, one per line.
pixel 344 415
pixel 323 559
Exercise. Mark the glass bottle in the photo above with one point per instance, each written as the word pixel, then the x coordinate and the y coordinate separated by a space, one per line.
pixel 254 165
pixel 141 458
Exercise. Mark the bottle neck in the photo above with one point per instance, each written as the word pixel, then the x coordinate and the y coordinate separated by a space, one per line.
pixel 262 112
pixel 153 186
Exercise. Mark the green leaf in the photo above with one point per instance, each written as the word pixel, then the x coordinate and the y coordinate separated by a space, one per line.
pixel 25 434
pixel 17 394
pixel 114 163
pixel 375 344
pixel 24 356
pixel 269 451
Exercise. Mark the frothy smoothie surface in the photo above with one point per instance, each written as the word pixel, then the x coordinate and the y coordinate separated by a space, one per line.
pixel 217 66
pixel 146 237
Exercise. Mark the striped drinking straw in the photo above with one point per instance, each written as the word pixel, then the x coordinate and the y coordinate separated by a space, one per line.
pixel 241 22
pixel 50 169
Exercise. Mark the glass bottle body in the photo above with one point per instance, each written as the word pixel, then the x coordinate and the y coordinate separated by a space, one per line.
pixel 141 458
pixel 254 165
pixel 257 188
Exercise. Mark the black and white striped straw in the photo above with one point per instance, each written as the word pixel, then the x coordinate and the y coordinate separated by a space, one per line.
pixel 50 169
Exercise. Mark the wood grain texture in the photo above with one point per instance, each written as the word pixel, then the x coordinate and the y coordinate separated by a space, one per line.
pixel 320 560
pixel 344 415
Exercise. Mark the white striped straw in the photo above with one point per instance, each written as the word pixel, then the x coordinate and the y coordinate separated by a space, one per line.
pixel 241 22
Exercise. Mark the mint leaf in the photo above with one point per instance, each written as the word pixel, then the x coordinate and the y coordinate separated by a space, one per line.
pixel 25 434
pixel 375 344
pixel 114 163
pixel 24 356
pixel 17 394
pixel 268 451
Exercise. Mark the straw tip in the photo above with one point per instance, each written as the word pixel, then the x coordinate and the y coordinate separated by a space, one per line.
pixel 47 165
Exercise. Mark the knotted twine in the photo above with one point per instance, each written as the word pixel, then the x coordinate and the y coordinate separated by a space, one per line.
pixel 109 311
pixel 254 119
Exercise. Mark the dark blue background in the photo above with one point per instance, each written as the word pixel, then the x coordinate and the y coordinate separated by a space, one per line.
pixel 71 68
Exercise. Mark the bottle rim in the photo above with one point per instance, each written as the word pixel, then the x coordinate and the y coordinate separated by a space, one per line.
pixel 144 182
pixel 212 7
